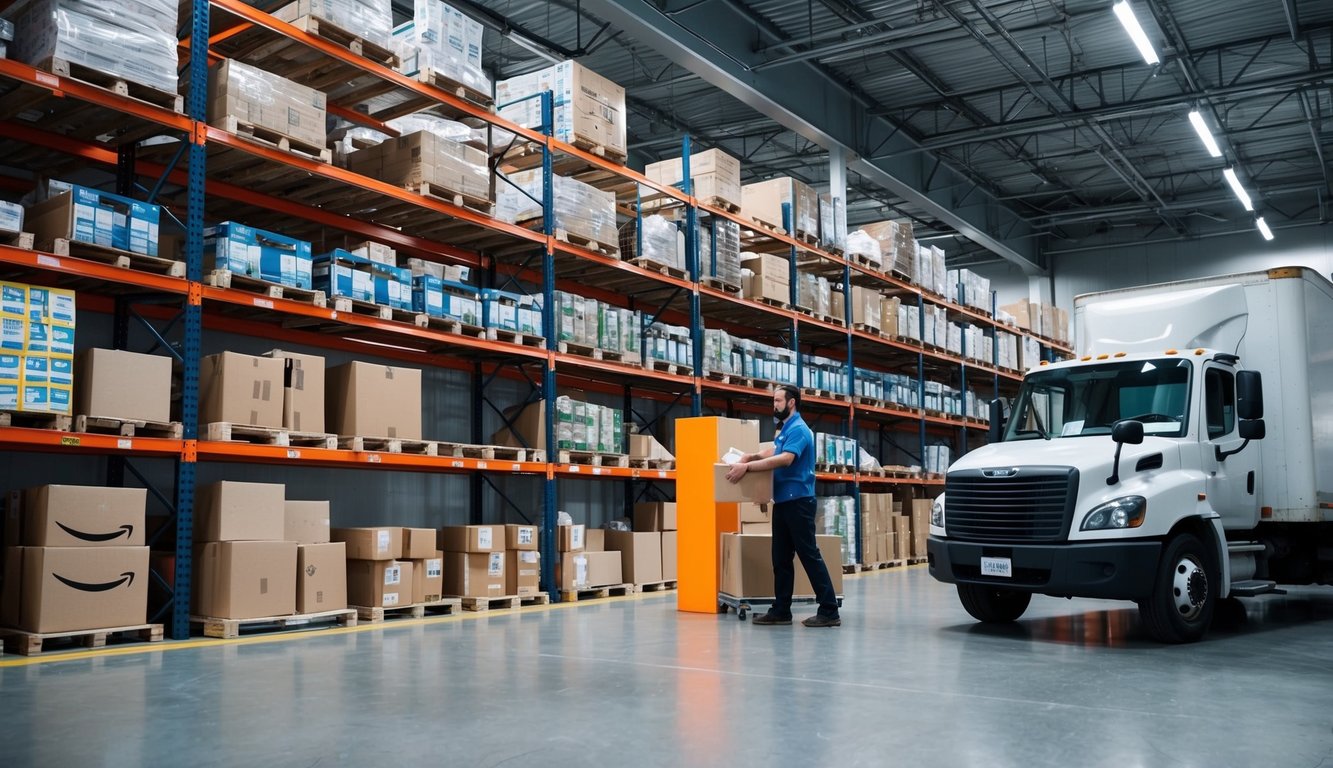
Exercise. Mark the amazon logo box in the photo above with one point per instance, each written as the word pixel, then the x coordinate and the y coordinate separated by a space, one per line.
pixel 67 589
pixel 84 516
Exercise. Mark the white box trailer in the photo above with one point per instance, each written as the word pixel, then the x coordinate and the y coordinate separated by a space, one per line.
pixel 1150 468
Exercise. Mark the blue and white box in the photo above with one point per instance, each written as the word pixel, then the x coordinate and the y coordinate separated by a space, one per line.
pixel 393 286
pixel 260 254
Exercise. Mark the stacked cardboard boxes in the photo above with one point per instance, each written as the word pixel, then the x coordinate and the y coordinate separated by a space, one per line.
pixel 377 576
pixel 591 323
pixel 584 561
pixel 36 348
pixel 341 273
pixel 260 100
pixel 769 277
pixel 441 290
pixel 747 566
pixel 523 560
pixel 897 245
pixel 877 544
pixel 302 390
pixel 370 20
pixel 765 200
pixel 321 568
pixel 241 389
pixel 259 254
pixel 83 563
pixel 589 109
pixel 668 344
pixel 115 384
pixel 474 560
pixel 836 517
pixel 420 549
pixel 720 250
pixel 1042 319
pixel 580 209
pixel 441 40
pixel 580 426
pixel 756 518
pixel 660 517
pixel 129 41
pixel 85 215
pixel 246 567
pixel 657 239
pixel 647 447
pixel 715 177
pixel 423 159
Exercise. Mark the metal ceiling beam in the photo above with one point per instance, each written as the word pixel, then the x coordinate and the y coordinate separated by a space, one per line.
pixel 717 42
pixel 1293 19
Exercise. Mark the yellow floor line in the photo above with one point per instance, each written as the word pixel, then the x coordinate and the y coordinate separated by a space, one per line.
pixel 283 637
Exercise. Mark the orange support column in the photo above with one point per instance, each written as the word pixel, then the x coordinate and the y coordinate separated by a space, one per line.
pixel 699 519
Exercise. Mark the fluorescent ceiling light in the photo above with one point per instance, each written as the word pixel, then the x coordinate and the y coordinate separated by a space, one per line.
pixel 1205 135
pixel 1131 24
pixel 1263 228
pixel 1241 194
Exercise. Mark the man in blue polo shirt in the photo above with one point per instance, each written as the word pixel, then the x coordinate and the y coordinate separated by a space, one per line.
pixel 792 460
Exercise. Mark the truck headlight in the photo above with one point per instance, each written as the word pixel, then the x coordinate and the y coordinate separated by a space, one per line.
pixel 1125 512
pixel 937 513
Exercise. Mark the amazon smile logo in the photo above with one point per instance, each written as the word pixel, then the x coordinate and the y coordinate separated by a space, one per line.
pixel 126 578
pixel 125 530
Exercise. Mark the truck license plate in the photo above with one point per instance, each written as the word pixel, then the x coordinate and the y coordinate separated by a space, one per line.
pixel 1002 567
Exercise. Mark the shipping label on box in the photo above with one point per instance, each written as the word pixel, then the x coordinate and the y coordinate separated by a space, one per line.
pixel 379 583
pixel 471 538
pixel 523 574
pixel 521 537
pixel 571 538
pixel 382 544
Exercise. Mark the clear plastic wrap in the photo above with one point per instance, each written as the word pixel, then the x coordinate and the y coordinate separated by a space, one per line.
pixel 440 38
pixel 660 241
pixel 720 250
pixel 861 244
pixel 587 106
pixel 370 20
pixel 259 98
pixel 425 158
pixel 134 40
pixel 580 209
pixel 6 30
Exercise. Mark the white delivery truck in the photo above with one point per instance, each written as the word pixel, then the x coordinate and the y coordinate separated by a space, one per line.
pixel 1141 469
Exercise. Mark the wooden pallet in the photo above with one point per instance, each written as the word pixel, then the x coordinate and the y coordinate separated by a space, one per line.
pixel 350 40
pixel 595 593
pixel 718 284
pixel 388 445
pixel 116 257
pixel 221 278
pixel 128 427
pixel 642 463
pixel 35 643
pixel 784 306
pixel 268 137
pixel 593 147
pixel 573 238
pixel 36 420
pixel 513 337
pixel 481 205
pixel 504 602
pixel 25 241
pixel 445 324
pixel 836 469
pixel 655 586
pixel 369 614
pixel 232 628
pixel 652 265
pixel 226 432
pixel 438 79
pixel 915 560
pixel 117 85
pixel 489 452
pixel 883 565
pixel 592 458
pixel 760 224
pixel 351 306
pixel 870 329
pixel 721 203
pixel 671 369
pixel 806 237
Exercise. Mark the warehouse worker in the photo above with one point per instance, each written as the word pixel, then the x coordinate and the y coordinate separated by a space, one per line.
pixel 792 460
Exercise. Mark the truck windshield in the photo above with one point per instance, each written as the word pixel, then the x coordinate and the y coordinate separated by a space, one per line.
pixel 1088 400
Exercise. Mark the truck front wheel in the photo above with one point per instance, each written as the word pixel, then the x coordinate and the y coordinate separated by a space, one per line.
pixel 993 605
pixel 1184 593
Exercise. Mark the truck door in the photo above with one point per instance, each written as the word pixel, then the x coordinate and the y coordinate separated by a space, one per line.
pixel 1233 482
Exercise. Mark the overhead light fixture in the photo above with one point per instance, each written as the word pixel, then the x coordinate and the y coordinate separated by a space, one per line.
pixel 1205 135
pixel 1263 228
pixel 1241 194
pixel 1130 22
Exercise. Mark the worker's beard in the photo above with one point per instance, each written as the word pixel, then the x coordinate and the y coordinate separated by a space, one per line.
pixel 781 416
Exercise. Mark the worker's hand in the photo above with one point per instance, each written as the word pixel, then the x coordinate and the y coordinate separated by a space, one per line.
pixel 737 472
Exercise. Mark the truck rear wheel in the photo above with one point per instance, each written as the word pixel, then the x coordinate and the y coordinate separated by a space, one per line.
pixel 993 605
pixel 1184 594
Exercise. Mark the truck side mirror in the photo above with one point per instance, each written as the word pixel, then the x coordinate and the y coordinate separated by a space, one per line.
pixel 1253 429
pixel 997 409
pixel 1127 432
pixel 1249 395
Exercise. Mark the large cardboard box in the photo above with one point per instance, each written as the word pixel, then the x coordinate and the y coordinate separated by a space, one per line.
pixel 902 537
pixel 589 108
pixel 522 538
pixel 755 486
pixel 714 174
pixel 64 589
pixel 764 200
pixel 1022 312
pixel 764 529
pixel 640 555
pixel 302 391
pixel 116 384
pixel 84 516
pixel 523 572
pixel 368 400
pixel 655 516
pixel 379 544
pixel 648 447
pixel 241 389
pixel 246 579
pixel 472 538
pixel 771 280
pixel 594 540
pixel 233 511
pixel 474 574
pixel 11 589
pixel 306 522
pixel 255 97
pixel 586 570
pixel 866 307
pixel 747 565
pixel 419 543
pixel 321 577
pixel 571 538
pixel 670 547
pixel 754 513
pixel 428 578
pixel 379 583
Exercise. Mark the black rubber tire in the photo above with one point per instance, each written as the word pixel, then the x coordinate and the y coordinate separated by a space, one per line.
pixel 993 605
pixel 1161 615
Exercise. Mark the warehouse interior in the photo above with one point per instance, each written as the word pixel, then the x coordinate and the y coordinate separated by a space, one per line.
pixel 893 207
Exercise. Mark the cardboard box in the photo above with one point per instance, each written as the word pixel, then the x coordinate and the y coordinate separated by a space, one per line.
pixel 302 391
pixel 589 108
pixel 419 543
pixel 428 578
pixel 754 513
pixel 232 511
pixel 262 99
pixel 866 307
pixel 116 384
pixel 761 529
pixel 764 200
pixel 648 447
pixel 11 589
pixel 474 574
pixel 472 538
pixel 754 487
pixel 521 538
pixel 670 547
pixel 91 216
pixel 1022 312
pixel 713 173
pixel 747 566
pixel 771 280
pixel 244 250
pixel 240 389
pixel 640 555
pixel 902 537
pixel 65 589
pixel 306 522
pixel 379 583
pixel 83 516
pixel 379 544
pixel 368 400
pixel 321 577
pixel 594 540
pixel 571 538
pixel 655 516
pixel 246 579
pixel 523 573
pixel 586 570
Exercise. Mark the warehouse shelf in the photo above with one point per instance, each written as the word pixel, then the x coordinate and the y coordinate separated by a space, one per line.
pixel 79 273
pixel 250 453
pixel 83 443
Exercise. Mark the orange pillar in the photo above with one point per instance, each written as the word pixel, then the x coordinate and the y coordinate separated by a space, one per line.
pixel 699 519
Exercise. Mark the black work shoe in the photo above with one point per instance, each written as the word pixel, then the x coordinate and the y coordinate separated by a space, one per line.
pixel 771 620
pixel 823 621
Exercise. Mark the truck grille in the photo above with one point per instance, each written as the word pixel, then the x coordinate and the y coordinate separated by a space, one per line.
pixel 1034 504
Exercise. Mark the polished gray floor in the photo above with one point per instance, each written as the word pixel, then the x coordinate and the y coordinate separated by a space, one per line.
pixel 908 680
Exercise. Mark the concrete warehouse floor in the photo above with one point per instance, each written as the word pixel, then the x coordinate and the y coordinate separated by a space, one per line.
pixel 909 679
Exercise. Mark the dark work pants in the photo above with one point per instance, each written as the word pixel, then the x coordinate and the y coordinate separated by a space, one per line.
pixel 794 535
